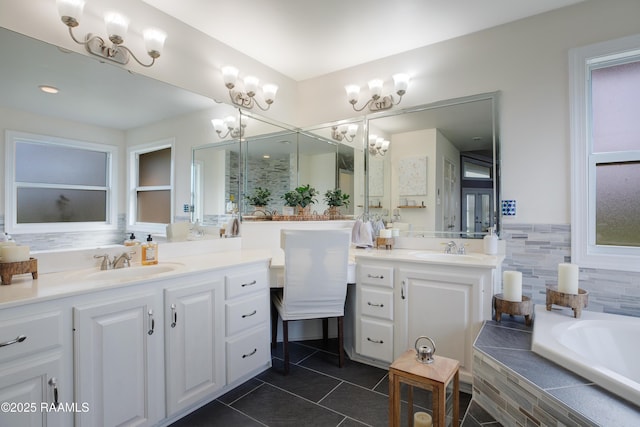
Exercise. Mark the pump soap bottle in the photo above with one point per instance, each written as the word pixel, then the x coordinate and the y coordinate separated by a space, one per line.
pixel 132 241
pixel 149 252
pixel 490 243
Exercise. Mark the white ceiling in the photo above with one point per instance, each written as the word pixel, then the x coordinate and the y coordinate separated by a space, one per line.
pixel 303 39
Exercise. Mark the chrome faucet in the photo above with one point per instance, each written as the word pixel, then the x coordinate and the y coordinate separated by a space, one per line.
pixel 105 264
pixel 124 260
pixel 451 248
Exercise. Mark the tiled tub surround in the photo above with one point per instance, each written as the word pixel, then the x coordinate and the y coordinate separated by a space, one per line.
pixel 520 388
pixel 537 249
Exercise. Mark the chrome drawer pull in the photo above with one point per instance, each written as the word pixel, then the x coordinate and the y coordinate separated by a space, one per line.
pixel 250 314
pixel 152 322
pixel 249 284
pixel 18 339
pixel 255 350
pixel 54 383
pixel 174 315
pixel 375 276
pixel 375 305
pixel 375 341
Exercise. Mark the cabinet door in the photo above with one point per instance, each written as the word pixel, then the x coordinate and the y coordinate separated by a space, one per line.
pixel 441 306
pixel 118 369
pixel 29 389
pixel 194 343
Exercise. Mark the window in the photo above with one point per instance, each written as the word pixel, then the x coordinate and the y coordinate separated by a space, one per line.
pixel 151 186
pixel 55 184
pixel 605 133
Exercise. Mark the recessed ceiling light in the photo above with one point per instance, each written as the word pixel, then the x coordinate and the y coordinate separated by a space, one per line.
pixel 477 138
pixel 48 89
pixel 266 156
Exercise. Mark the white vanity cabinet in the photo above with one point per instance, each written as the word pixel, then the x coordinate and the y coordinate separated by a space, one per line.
pixel 119 358
pixel 33 375
pixel 374 312
pixel 446 303
pixel 247 323
pixel 194 344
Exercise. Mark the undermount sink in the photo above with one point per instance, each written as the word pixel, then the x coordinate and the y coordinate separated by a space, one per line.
pixel 135 272
pixel 439 256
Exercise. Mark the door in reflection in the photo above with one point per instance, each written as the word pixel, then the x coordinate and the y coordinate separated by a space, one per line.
pixel 477 209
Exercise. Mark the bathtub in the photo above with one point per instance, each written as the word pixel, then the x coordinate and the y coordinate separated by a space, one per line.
pixel 600 347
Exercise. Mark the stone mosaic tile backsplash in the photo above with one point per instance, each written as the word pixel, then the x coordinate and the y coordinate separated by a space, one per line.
pixel 537 249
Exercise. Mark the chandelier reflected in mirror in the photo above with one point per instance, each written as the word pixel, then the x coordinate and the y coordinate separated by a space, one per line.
pixel 378 146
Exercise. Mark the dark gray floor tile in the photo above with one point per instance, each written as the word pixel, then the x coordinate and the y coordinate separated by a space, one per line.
pixel 216 414
pixel 277 408
pixel 360 404
pixel 300 381
pixel 354 372
pixel 479 414
pixel 348 422
pixel 239 391
pixel 297 352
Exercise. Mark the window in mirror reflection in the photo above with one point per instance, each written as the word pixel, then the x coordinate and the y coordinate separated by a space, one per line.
pixel 54 181
pixel 153 185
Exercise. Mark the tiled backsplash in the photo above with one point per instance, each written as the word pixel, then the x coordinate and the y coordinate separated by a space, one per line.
pixel 537 249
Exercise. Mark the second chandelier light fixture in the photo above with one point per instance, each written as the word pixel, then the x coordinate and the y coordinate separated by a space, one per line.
pixel 378 102
pixel 247 97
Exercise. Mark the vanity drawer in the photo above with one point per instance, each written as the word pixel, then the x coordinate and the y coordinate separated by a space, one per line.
pixel 41 331
pixel 246 353
pixel 247 313
pixel 373 275
pixel 376 339
pixel 245 283
pixel 376 302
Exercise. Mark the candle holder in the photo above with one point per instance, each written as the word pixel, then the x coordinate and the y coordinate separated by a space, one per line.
pixel 513 308
pixel 575 301
pixel 9 269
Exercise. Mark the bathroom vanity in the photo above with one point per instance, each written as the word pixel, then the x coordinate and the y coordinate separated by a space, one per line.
pixel 403 294
pixel 117 347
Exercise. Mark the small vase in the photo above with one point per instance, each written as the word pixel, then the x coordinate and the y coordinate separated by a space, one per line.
pixel 306 211
pixel 333 211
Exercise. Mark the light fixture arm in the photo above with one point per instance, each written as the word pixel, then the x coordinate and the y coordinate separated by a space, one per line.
pixel 342 133
pixel 378 103
pixel 247 100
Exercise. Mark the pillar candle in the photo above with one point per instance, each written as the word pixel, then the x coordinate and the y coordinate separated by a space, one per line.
pixel 14 253
pixel 422 419
pixel 385 233
pixel 568 278
pixel 512 286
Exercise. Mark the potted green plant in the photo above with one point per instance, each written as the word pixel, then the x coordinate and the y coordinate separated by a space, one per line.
pixel 291 200
pixel 335 199
pixel 260 197
pixel 306 196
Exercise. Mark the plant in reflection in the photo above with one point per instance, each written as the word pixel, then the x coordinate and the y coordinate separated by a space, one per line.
pixel 307 195
pixel 260 197
pixel 291 198
pixel 336 198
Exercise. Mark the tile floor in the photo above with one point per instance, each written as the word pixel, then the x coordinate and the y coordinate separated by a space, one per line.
pixel 315 393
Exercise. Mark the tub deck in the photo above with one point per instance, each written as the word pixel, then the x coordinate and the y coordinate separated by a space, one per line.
pixel 518 387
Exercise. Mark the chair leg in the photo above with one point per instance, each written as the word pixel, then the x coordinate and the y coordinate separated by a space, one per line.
pixel 285 345
pixel 325 332
pixel 341 341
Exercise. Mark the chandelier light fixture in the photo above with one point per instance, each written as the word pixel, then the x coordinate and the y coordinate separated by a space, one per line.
pixel 378 146
pixel 247 97
pixel 227 127
pixel 344 132
pixel 378 102
pixel 70 13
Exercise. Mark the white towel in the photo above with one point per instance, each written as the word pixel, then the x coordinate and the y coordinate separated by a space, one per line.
pixel 365 239
pixel 355 232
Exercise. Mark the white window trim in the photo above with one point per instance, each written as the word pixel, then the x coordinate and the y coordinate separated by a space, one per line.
pixel 10 205
pixel 584 251
pixel 132 184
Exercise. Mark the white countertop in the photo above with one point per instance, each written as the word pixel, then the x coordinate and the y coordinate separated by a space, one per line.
pixel 471 259
pixel 23 289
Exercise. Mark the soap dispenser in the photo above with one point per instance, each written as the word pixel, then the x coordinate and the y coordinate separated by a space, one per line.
pixel 132 241
pixel 149 252
pixel 490 242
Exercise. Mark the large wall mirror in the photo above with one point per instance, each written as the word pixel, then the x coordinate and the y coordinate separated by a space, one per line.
pixel 434 169
pixel 98 103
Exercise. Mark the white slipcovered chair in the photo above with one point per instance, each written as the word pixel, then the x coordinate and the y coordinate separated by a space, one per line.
pixel 315 282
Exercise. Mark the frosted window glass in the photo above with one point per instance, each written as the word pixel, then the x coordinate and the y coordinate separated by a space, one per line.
pixel 615 101
pixel 47 205
pixel 618 204
pixel 476 171
pixel 154 206
pixel 55 164
pixel 154 168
